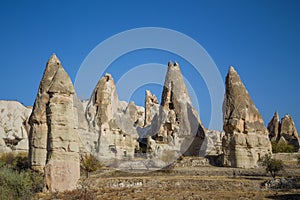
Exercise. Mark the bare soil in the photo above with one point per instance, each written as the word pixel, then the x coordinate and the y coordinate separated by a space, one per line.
pixel 181 182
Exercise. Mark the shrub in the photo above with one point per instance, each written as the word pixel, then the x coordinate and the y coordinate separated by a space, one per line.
pixel 282 147
pixel 17 181
pixel 7 159
pixel 272 165
pixel 15 185
pixel 89 164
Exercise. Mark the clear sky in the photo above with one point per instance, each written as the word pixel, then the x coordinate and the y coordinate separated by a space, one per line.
pixel 261 39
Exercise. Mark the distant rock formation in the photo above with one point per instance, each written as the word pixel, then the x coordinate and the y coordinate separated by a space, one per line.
pixel 289 132
pixel 246 138
pixel 177 126
pixel 112 122
pixel 14 126
pixel 54 144
pixel 274 127
pixel 285 131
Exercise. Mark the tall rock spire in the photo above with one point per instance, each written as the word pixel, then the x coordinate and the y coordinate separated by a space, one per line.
pixel 110 123
pixel 246 138
pixel 177 122
pixel 54 141
pixel 274 127
pixel 38 119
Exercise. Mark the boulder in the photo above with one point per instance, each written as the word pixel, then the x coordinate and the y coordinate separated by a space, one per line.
pixel 246 138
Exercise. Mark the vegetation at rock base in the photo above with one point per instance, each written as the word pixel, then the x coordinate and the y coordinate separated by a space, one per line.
pixel 273 166
pixel 89 163
pixel 282 147
pixel 17 181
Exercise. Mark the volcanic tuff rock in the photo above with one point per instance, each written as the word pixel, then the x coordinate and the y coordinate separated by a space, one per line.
pixel 54 144
pixel 151 107
pixel 177 126
pixel 285 130
pixel 38 119
pixel 14 126
pixel 111 122
pixel 246 138
pixel 289 132
pixel 274 127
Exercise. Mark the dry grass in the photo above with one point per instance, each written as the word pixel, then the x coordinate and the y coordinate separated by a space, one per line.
pixel 180 183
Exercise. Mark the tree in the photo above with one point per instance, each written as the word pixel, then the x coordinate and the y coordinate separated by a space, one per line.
pixel 272 165
pixel 89 164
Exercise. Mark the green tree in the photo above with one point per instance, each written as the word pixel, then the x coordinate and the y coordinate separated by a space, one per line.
pixel 272 165
pixel 89 164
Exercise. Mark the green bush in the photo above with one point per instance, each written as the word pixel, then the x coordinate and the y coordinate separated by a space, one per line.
pixel 89 164
pixel 17 181
pixel 272 165
pixel 282 147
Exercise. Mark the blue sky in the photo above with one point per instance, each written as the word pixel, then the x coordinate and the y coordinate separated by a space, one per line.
pixel 259 38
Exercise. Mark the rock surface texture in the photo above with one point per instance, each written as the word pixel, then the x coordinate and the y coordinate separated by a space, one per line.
pixel 246 138
pixel 14 127
pixel 54 144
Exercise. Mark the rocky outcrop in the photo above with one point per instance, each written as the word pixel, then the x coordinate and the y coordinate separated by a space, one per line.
pixel 112 122
pixel 54 144
pixel 14 127
pixel 284 130
pixel 177 126
pixel 289 132
pixel 274 127
pixel 151 107
pixel 246 138
pixel 212 144
pixel 136 114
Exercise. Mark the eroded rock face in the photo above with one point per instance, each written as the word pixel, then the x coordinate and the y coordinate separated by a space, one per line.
pixel 151 107
pixel 38 119
pixel 54 143
pixel 274 127
pixel 112 122
pixel 14 127
pixel 246 138
pixel 177 127
pixel 289 132
pixel 284 130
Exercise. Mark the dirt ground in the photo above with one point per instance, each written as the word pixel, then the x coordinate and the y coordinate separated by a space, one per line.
pixel 199 182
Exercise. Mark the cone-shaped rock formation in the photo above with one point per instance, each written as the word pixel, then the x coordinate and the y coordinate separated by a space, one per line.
pixel 108 119
pixel 177 124
pixel 246 138
pixel 54 144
